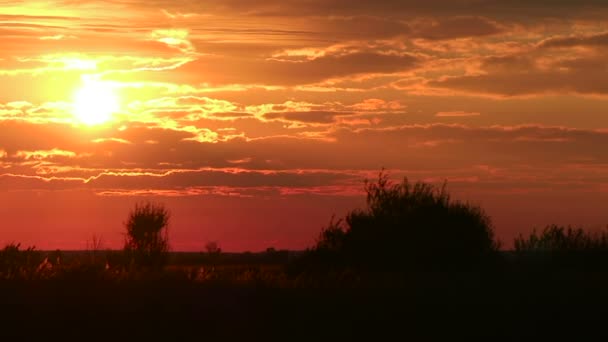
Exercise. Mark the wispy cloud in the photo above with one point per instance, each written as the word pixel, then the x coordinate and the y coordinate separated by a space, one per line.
pixel 457 114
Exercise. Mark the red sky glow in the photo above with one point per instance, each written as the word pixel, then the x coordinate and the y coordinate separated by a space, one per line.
pixel 255 121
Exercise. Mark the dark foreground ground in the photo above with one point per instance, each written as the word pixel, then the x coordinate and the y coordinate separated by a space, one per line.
pixel 502 306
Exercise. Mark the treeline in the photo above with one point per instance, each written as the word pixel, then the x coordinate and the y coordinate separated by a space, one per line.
pixel 405 227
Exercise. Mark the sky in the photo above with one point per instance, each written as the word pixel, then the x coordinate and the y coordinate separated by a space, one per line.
pixel 254 122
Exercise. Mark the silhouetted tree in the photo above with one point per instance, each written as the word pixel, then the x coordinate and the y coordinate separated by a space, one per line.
pixel 213 248
pixel 408 226
pixel 94 247
pixel 147 240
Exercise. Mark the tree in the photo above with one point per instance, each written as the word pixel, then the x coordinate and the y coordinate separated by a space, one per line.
pixel 213 248
pixel 408 226
pixel 147 239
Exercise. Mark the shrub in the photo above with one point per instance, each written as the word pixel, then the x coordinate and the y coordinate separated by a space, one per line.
pixel 18 263
pixel 554 238
pixel 147 240
pixel 558 247
pixel 408 226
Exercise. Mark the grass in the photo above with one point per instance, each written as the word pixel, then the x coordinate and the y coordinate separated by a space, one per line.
pixel 509 305
pixel 260 301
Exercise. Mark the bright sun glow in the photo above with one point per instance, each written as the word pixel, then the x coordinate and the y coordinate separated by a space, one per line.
pixel 95 103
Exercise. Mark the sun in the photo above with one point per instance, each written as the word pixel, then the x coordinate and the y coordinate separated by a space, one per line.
pixel 95 102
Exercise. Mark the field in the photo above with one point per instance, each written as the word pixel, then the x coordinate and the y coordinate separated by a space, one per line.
pixel 260 301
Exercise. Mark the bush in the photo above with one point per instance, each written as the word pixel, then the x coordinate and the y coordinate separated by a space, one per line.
pixel 147 242
pixel 563 247
pixel 408 226
pixel 18 263
pixel 555 238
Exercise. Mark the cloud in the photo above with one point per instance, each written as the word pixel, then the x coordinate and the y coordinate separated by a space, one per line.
pixel 377 105
pixel 294 8
pixel 458 27
pixel 240 161
pixel 457 114
pixel 322 117
pixel 522 75
pixel 190 182
pixel 273 72
pixel 174 38
pixel 116 140
pixel 600 40
pixel 359 148
pixel 44 154
pixel 362 27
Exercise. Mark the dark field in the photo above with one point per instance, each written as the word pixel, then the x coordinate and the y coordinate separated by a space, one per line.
pixel 262 302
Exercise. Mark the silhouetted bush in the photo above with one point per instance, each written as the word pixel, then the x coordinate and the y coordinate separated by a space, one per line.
pixel 18 263
pixel 558 246
pixel 147 241
pixel 555 238
pixel 407 226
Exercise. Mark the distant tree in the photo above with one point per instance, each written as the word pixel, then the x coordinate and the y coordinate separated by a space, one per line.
pixel 408 226
pixel 94 247
pixel 212 248
pixel 147 239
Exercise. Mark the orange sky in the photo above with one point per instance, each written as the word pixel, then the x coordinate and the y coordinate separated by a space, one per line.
pixel 255 121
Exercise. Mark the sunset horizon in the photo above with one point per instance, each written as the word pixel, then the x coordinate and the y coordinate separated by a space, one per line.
pixel 255 123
